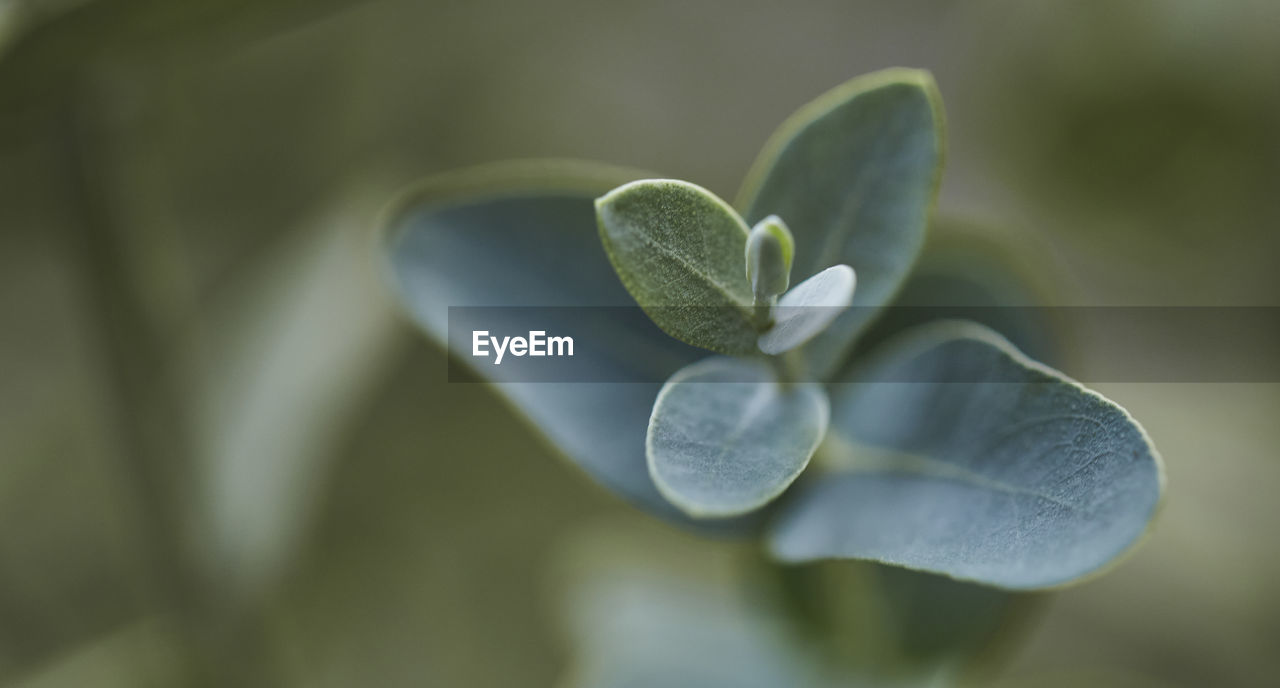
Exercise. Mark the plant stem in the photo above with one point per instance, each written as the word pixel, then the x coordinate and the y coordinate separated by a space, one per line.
pixel 790 367
pixel 764 311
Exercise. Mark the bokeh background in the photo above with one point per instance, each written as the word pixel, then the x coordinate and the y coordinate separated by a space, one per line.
pixel 225 459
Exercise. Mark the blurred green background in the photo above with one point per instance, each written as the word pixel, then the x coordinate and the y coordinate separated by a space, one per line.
pixel 224 456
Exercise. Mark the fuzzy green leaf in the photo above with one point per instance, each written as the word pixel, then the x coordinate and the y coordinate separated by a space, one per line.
pixel 855 174
pixel 804 312
pixel 678 250
pixel 956 454
pixel 725 437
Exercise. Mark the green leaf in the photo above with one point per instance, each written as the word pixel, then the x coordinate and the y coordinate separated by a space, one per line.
pixel 726 438
pixel 956 454
pixel 678 249
pixel 855 174
pixel 524 234
pixel 893 622
pixel 804 312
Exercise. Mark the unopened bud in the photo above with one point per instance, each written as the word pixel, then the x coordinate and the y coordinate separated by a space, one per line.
pixel 769 251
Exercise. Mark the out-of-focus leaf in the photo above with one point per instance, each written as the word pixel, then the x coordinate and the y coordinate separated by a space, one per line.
pixel 987 467
pixel 726 438
pixel 969 272
pixel 854 173
pixel 51 41
pixel 804 312
pixel 524 234
pixel 941 620
pixel 679 250
pixel 894 623
pixel 285 356
pixel 1093 676
pixel 666 634
pixel 145 654
pixel 645 612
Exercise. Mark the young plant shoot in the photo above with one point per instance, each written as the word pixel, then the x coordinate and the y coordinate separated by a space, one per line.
pixel 938 447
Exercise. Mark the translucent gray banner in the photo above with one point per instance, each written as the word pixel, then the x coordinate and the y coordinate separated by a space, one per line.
pixel 1237 344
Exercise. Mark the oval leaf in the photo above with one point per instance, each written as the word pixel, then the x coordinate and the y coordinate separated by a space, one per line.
pixel 804 312
pixel 524 234
pixel 965 458
pixel 855 174
pixel 678 249
pixel 725 437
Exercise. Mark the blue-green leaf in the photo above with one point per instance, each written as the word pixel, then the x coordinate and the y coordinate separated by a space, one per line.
pixel 854 173
pixel 726 438
pixel 524 234
pixel 679 250
pixel 956 454
pixel 804 312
